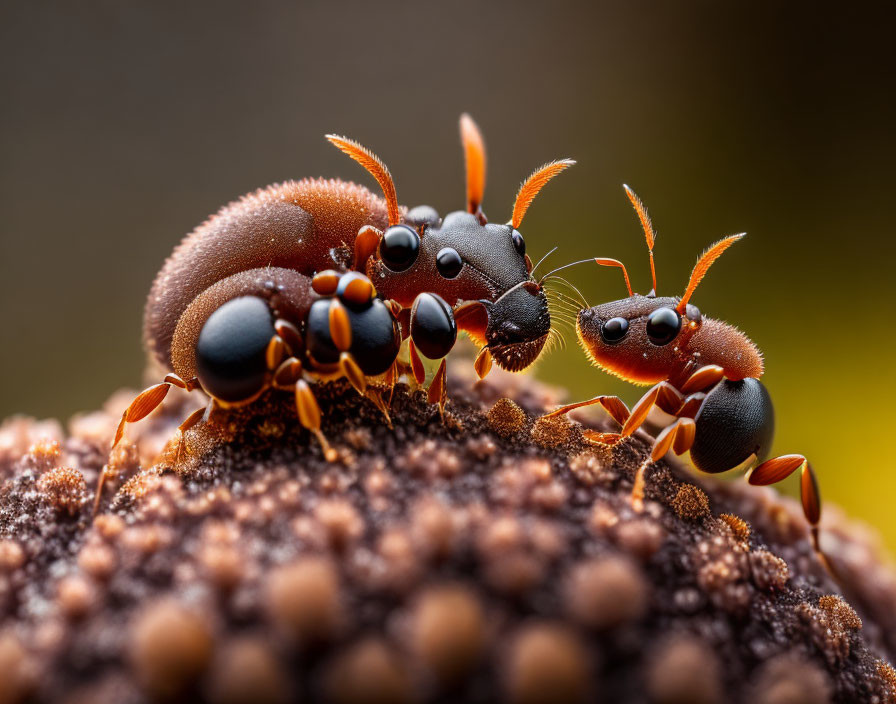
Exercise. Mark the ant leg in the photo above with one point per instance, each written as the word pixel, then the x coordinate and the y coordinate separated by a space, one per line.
pixel 309 416
pixel 472 318
pixel 595 437
pixel 417 368
pixel 611 404
pixel 483 363
pixel 275 353
pixel 703 378
pixel 358 380
pixel 150 399
pixel 144 404
pixel 287 374
pixel 340 326
pixel 290 335
pixel 664 395
pixel 678 437
pixel 691 405
pixel 438 389
pixel 353 373
pixel 341 334
pixel 390 378
pixel 375 396
pixel 774 470
pixel 200 414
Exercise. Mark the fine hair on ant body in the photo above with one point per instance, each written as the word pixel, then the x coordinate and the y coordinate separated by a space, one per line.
pixel 704 376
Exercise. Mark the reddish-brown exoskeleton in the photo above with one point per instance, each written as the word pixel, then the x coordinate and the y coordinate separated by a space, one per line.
pixel 317 279
pixel 704 377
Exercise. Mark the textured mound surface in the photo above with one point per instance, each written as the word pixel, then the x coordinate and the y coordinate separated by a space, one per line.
pixel 486 558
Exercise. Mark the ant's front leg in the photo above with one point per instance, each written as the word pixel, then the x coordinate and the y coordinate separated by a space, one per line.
pixel 679 436
pixel 611 404
pixel 433 332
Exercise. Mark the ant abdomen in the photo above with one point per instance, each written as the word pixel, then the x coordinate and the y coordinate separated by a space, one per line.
pixel 214 315
pixel 293 225
pixel 735 422
pixel 230 351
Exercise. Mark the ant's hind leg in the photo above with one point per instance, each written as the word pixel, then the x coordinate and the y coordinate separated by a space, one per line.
pixel 774 470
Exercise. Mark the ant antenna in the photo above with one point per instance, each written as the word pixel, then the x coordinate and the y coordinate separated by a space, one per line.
pixel 542 259
pixel 647 226
pixel 702 266
pixel 530 286
pixel 377 169
pixel 561 268
pixel 532 185
pixel 615 262
pixel 474 162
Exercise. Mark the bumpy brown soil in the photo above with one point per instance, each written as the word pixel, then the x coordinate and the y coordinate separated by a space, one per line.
pixel 485 558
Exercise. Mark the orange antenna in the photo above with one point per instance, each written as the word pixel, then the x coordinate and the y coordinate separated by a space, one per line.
pixel 532 185
pixel 646 225
pixel 702 266
pixel 474 161
pixel 615 262
pixel 377 169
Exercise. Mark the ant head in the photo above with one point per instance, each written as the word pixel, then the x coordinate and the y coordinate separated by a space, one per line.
pixel 644 339
pixel 479 268
pixel 639 338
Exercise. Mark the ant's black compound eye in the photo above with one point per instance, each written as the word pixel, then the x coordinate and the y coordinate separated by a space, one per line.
pixel 399 247
pixel 614 330
pixel 663 325
pixel 449 263
pixel 230 352
pixel 518 242
pixel 433 328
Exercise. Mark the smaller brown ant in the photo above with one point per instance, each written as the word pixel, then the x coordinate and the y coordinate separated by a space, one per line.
pixel 705 379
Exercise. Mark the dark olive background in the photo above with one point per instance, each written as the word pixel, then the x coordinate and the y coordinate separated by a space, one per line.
pixel 123 125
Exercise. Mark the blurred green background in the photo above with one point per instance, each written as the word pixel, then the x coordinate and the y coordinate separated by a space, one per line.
pixel 123 125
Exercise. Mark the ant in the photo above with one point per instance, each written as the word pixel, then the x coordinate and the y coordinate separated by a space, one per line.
pixel 704 375
pixel 277 290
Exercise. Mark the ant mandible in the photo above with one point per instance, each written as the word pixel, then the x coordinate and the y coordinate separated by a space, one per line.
pixel 704 374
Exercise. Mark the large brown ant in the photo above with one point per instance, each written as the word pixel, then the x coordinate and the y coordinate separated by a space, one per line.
pixel 318 279
pixel 704 376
